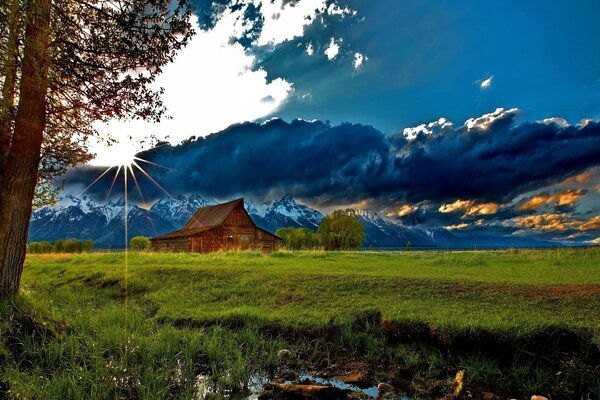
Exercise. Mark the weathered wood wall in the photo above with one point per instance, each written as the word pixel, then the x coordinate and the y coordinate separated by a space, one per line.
pixel 171 245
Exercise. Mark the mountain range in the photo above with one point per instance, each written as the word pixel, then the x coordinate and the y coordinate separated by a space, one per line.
pixel 85 218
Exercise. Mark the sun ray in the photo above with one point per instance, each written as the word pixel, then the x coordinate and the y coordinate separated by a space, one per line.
pixel 92 184
pixel 112 184
pixel 135 181
pixel 157 165
pixel 152 180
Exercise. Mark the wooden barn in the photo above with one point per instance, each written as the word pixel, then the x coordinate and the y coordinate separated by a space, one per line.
pixel 226 226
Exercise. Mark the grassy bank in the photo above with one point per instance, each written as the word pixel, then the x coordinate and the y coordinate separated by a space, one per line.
pixel 517 322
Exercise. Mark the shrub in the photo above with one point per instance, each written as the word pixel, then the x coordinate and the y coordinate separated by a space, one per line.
pixel 87 245
pixel 40 248
pixel 299 238
pixel 139 243
pixel 72 246
pixel 59 246
pixel 33 248
pixel 340 230
pixel 46 247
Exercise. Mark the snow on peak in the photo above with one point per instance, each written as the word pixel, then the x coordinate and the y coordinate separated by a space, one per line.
pixel 288 207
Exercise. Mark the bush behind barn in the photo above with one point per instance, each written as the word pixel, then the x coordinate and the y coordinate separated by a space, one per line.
pixel 340 230
pixel 61 246
pixel 140 243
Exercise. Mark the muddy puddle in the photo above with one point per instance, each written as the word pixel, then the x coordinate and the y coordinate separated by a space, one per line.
pixel 258 383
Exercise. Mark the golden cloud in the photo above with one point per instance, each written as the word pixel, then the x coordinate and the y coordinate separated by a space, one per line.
pixel 402 211
pixel 556 222
pixel 545 222
pixel 595 241
pixel 457 226
pixel 569 197
pixel 564 198
pixel 581 178
pixel 590 225
pixel 470 208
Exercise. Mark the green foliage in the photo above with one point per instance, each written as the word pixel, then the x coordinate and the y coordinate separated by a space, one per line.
pixel 139 243
pixel 33 248
pixel 61 246
pixel 340 230
pixel 72 246
pixel 86 246
pixel 408 246
pixel 299 238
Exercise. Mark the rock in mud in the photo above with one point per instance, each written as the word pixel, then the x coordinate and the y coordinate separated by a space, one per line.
pixel 385 391
pixel 537 397
pixel 357 379
pixel 490 396
pixel 280 391
pixel 285 354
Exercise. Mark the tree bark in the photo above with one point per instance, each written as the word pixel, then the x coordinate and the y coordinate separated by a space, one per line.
pixel 20 176
pixel 8 90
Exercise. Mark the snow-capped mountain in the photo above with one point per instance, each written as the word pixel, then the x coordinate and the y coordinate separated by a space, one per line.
pixel 382 231
pixel 285 212
pixel 84 218
pixel 178 210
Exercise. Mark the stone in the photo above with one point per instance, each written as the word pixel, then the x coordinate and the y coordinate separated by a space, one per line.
pixel 385 391
pixel 356 379
pixel 275 390
pixel 537 397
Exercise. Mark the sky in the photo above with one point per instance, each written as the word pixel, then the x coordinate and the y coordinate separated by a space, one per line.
pixel 502 95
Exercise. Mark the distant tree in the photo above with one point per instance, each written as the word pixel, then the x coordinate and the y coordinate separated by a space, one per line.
pixel 408 246
pixel 40 248
pixel 72 246
pixel 139 243
pixel 340 230
pixel 87 246
pixel 299 238
pixel 59 246
pixel 33 248
pixel 46 247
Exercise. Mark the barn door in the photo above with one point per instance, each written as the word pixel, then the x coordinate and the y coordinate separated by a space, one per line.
pixel 229 242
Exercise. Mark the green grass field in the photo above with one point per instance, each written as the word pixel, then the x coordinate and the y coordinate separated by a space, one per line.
pixel 82 326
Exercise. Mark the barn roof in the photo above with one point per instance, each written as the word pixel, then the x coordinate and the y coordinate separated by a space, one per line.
pixel 212 215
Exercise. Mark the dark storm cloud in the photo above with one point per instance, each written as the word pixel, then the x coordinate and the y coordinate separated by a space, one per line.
pixel 342 164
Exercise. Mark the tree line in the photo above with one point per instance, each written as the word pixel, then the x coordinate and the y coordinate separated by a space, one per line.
pixel 340 230
pixel 61 246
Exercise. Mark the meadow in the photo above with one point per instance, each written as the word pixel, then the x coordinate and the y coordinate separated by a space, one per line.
pixel 518 322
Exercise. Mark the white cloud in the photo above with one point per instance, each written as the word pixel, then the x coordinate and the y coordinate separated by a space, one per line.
pixel 486 83
pixel 427 129
pixel 332 50
pixel 309 49
pixel 359 59
pixel 335 9
pixel 484 122
pixel 561 122
pixel 282 23
pixel 210 85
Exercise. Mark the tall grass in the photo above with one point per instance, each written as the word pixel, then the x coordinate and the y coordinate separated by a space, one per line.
pixel 227 316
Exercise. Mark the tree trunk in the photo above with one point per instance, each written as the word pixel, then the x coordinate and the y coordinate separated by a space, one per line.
pixel 8 90
pixel 20 176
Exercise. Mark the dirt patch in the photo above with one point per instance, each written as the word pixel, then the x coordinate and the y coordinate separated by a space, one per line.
pixel 563 291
